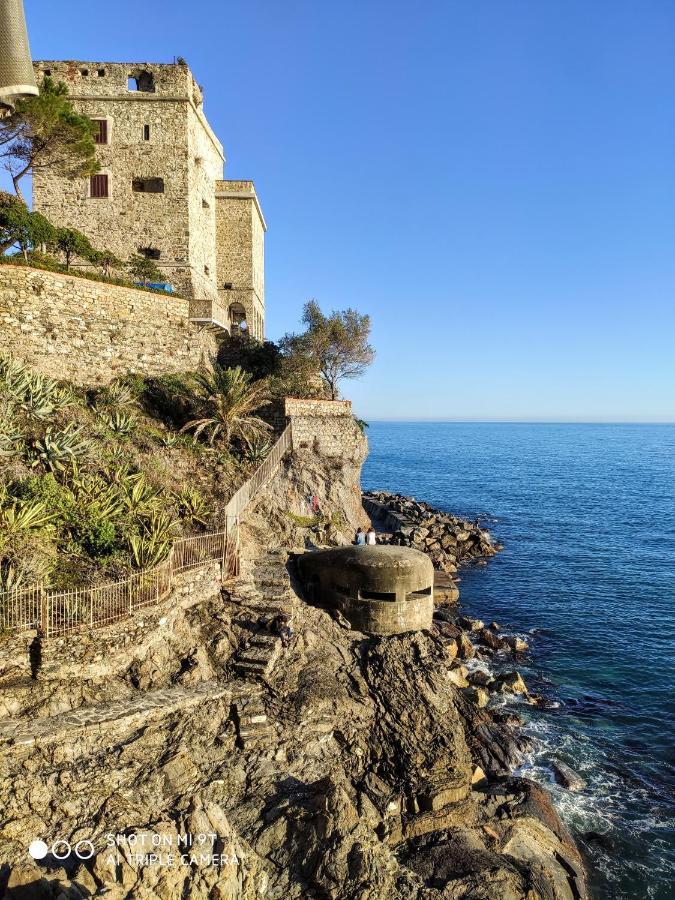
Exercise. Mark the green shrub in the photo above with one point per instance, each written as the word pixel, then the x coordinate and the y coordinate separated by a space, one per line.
pixel 100 538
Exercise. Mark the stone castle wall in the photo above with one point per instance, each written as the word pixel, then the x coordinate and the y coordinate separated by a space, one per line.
pixel 90 332
pixel 180 148
pixel 324 426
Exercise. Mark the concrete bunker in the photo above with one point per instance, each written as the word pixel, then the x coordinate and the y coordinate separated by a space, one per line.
pixel 379 590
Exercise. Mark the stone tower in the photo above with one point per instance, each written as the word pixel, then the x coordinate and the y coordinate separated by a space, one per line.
pixel 155 194
pixel 240 241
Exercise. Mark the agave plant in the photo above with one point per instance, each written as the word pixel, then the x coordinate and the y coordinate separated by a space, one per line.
pixel 58 448
pixel 119 423
pixel 118 393
pixel 171 439
pixel 13 374
pixel 101 499
pixel 11 436
pixel 153 544
pixel 192 506
pixel 229 398
pixel 139 497
pixel 20 516
pixel 41 397
pixel 257 448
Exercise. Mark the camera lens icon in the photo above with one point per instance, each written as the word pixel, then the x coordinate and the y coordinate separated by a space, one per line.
pixel 61 849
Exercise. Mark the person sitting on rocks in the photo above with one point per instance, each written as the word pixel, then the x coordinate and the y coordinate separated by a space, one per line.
pixel 360 536
pixel 371 537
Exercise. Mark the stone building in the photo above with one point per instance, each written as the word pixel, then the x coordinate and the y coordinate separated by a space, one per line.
pixel 160 190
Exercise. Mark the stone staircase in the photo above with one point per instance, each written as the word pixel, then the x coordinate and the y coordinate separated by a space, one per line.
pixel 262 591
pixel 250 715
pixel 257 656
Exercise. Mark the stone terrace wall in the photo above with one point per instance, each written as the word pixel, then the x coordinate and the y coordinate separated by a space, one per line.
pixel 325 426
pixel 90 332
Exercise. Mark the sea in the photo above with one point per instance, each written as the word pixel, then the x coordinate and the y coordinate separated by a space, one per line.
pixel 586 514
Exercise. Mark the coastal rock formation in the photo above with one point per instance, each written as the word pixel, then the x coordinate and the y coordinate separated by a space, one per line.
pixel 449 540
pixel 331 765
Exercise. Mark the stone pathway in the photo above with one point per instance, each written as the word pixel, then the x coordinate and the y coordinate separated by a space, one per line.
pixel 130 713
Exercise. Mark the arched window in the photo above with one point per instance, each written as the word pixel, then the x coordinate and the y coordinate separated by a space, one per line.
pixel 237 318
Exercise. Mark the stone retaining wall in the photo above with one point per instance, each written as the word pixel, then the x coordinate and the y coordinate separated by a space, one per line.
pixel 90 332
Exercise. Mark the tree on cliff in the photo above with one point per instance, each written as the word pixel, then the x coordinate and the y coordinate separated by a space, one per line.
pixel 337 344
pixel 229 399
pixel 45 132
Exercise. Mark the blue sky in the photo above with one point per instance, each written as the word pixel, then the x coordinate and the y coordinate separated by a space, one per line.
pixel 493 181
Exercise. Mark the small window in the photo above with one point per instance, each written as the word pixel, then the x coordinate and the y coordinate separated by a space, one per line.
pixel 377 595
pixel 101 73
pixel 149 252
pixel 101 136
pixel 142 81
pixel 47 72
pixel 98 186
pixel 227 286
pixel 148 185
pixel 84 72
pixel 206 270
pixel 205 205
pixel 146 132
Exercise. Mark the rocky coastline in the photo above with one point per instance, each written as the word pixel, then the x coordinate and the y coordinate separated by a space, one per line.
pixel 341 765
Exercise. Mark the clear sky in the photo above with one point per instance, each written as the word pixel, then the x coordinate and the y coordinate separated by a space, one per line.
pixel 492 180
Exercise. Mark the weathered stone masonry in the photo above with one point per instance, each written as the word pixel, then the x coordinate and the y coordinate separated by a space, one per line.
pixel 90 332
pixel 160 189
pixel 325 426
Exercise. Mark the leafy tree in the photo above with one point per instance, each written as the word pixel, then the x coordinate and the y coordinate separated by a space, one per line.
pixel 45 132
pixel 336 344
pixel 72 242
pixel 144 269
pixel 229 398
pixel 21 227
pixel 105 260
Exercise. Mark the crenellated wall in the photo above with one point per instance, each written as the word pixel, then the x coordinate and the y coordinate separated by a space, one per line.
pixel 90 332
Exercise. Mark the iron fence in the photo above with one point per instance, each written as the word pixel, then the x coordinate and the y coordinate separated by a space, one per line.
pixel 55 613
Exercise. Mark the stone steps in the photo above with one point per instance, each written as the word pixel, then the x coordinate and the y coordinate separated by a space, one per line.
pixel 253 725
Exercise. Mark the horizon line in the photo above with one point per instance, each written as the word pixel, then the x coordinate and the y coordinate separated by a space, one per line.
pixel 487 421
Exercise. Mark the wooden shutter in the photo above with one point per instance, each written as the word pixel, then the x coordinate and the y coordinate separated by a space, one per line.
pixel 101 136
pixel 98 186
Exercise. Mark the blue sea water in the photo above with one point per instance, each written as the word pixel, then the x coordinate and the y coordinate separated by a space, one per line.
pixel 586 514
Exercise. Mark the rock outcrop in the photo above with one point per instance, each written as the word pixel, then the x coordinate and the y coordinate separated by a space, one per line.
pixel 324 763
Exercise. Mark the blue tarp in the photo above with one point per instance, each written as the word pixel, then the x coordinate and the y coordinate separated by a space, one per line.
pixel 158 286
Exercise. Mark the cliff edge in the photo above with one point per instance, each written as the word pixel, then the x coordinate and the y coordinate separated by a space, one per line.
pixel 199 755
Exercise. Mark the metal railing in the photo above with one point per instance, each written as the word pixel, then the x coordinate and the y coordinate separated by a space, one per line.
pixel 241 498
pixel 55 613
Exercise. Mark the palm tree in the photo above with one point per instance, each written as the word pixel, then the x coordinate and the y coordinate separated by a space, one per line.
pixel 230 399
